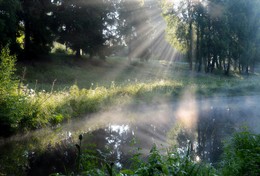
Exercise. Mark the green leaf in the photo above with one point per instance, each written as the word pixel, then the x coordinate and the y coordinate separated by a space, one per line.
pixel 126 171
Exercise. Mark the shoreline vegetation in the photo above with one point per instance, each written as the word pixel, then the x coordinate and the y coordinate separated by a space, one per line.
pixel 48 93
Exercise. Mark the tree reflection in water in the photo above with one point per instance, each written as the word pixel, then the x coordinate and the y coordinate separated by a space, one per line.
pixel 117 142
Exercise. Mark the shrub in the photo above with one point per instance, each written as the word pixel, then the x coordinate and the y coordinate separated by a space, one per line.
pixel 8 84
pixel 9 102
pixel 174 163
pixel 242 155
pixel 16 109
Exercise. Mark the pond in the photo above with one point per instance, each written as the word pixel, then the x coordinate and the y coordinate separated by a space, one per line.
pixel 118 133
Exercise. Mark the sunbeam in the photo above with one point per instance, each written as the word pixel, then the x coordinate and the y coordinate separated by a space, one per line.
pixel 187 113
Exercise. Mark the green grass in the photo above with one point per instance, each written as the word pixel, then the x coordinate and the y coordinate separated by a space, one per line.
pixel 65 71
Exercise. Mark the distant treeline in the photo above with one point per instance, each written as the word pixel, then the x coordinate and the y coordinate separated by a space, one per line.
pixel 215 34
pixel 94 27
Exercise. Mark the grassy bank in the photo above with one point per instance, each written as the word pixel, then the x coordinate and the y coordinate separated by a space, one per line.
pixel 60 72
pixel 63 87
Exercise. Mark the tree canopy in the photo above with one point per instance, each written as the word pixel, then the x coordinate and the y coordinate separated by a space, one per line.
pixel 8 22
pixel 215 33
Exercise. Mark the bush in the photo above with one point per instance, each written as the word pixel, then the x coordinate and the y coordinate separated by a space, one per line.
pixel 174 163
pixel 16 109
pixel 8 92
pixel 8 84
pixel 242 155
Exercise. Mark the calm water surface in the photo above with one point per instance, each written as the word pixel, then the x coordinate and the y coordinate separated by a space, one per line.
pixel 117 134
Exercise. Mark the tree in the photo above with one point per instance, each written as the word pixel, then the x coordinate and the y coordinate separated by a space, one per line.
pixel 84 25
pixel 9 23
pixel 136 29
pixel 36 21
pixel 180 19
pixel 200 22
pixel 226 32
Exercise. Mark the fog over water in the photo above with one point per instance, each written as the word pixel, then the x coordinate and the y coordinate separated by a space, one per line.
pixel 206 123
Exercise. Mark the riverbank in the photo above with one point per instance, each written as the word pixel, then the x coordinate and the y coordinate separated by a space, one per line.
pixel 61 88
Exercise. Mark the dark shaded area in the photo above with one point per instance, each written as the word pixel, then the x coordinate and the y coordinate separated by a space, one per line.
pixel 60 158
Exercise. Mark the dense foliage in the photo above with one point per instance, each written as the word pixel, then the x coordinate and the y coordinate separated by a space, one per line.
pixel 241 155
pixel 93 27
pixel 215 34
pixel 8 92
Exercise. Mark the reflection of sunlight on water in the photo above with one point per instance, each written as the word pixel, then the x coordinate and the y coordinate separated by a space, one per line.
pixel 197 158
pixel 119 128
pixel 187 112
pixel 67 134
pixel 116 140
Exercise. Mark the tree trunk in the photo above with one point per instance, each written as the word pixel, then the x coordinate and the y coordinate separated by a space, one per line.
pixel 247 69
pixel 217 63
pixel 220 62
pixel 208 62
pixel 190 45
pixel 198 50
pixel 228 65
pixel 235 65
pixel 214 62
pixel 78 54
